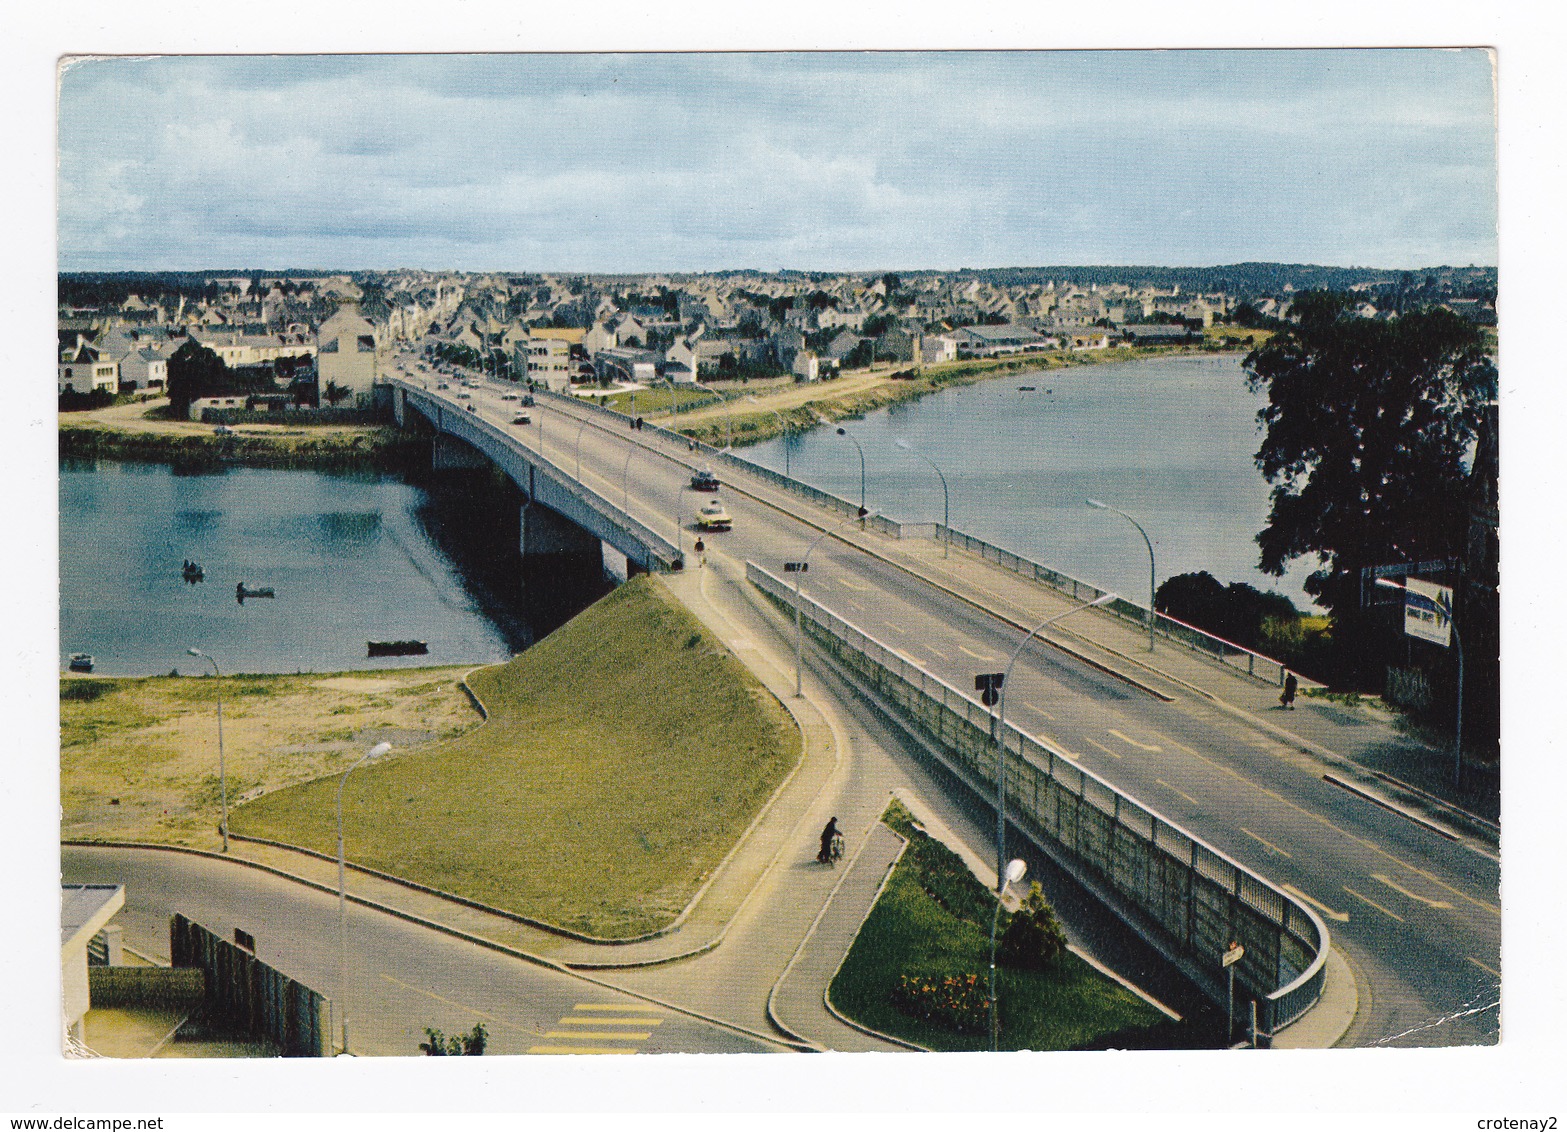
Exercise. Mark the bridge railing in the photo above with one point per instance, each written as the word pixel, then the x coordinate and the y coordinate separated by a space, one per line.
pixel 459 422
pixel 1206 645
pixel 1187 897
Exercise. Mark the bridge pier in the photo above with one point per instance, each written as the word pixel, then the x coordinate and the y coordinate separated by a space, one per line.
pixel 555 542
pixel 450 454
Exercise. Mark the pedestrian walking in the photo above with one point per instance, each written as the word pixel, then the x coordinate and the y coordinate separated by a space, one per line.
pixel 1287 697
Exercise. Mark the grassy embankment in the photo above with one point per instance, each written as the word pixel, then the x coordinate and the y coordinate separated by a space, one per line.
pixel 933 921
pixel 623 757
pixel 758 424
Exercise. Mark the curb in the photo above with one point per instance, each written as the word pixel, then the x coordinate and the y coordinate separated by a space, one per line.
pixel 444 929
pixel 772 995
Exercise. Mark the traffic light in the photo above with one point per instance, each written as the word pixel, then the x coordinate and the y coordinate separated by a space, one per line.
pixel 988 685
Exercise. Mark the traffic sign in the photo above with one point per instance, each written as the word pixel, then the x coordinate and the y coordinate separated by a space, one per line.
pixel 1233 953
pixel 988 685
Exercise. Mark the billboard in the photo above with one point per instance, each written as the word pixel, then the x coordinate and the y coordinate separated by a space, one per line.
pixel 1426 610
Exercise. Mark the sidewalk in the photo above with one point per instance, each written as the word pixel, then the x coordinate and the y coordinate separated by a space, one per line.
pixel 799 1002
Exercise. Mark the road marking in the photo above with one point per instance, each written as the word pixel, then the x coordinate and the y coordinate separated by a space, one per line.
pixel 464 1006
pixel 1036 711
pixel 579 1049
pixel 1105 749
pixel 1264 841
pixel 1339 917
pixel 852 585
pixel 1483 967
pixel 629 1008
pixel 1182 747
pixel 858 606
pixel 899 629
pixel 1178 790
pixel 602 1021
pixel 934 653
pixel 1412 895
pixel 975 655
pixel 1364 843
pixel 1135 743
pixel 1374 904
pixel 601 1035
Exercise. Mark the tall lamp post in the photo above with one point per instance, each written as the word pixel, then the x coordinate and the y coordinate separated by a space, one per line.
pixel 1446 610
pixel 856 443
pixel 223 788
pixel 787 431
pixel 1152 590
pixel 374 752
pixel 798 568
pixel 578 446
pixel 993 686
pixel 946 513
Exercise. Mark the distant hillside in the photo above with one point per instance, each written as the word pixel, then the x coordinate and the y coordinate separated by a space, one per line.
pixel 1242 279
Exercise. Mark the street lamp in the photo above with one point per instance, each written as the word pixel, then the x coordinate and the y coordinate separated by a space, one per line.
pixel 583 425
pixel 994 686
pixel 625 480
pixel 374 752
pixel 786 433
pixel 798 568
pixel 946 528
pixel 1098 506
pixel 856 443
pixel 223 789
pixel 1446 610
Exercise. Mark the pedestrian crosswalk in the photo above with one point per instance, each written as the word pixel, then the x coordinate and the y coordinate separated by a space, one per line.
pixel 594 1027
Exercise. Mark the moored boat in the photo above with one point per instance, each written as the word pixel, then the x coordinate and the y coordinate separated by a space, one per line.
pixel 81 662
pixel 397 648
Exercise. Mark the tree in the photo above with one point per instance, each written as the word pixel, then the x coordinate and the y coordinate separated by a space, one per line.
pixel 194 371
pixel 470 1044
pixel 335 393
pixel 1034 937
pixel 1369 424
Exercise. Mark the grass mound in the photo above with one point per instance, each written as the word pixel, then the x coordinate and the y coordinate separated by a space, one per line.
pixel 623 756
pixel 931 930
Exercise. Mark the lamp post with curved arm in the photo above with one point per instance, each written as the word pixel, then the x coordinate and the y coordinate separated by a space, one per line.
pixel 625 480
pixel 1152 590
pixel 578 447
pixel 787 431
pixel 845 432
pixel 798 568
pixel 223 787
pixel 997 725
pixel 946 513
pixel 374 752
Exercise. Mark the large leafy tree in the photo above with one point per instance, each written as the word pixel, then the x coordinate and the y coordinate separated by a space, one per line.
pixel 1370 424
pixel 195 371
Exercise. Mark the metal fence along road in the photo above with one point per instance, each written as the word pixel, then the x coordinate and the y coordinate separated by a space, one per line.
pixel 1185 897
pixel 1227 654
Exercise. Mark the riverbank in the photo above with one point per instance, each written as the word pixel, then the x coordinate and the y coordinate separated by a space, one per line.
pixel 796 408
pixel 139 432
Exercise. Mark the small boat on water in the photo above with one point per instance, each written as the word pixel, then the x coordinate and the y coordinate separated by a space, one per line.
pixel 81 662
pixel 1026 388
pixel 242 591
pixel 397 648
pixel 193 571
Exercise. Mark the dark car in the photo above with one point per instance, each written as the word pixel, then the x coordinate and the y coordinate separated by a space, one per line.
pixel 703 479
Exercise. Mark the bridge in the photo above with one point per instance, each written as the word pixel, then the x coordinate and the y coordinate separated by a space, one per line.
pixel 1159 781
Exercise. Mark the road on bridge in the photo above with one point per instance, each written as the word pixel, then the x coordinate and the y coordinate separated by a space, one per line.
pixel 1416 914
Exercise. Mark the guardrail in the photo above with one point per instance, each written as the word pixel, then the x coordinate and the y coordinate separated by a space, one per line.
pixel 1187 897
pixel 664 551
pixel 1217 650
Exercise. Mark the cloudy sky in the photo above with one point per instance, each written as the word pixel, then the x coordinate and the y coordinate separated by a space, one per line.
pixel 856 161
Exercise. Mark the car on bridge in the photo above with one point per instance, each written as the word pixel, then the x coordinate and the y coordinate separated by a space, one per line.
pixel 522 419
pixel 703 479
pixel 713 517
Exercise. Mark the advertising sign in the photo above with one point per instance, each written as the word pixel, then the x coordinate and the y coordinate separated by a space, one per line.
pixel 1426 608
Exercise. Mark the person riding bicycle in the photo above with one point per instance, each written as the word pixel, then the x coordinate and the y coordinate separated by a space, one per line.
pixel 829 831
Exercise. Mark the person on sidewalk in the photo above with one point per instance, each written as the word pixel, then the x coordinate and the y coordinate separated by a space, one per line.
pixel 1287 698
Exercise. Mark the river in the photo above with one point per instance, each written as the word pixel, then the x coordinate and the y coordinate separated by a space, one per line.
pixel 351 558
pixel 1168 440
